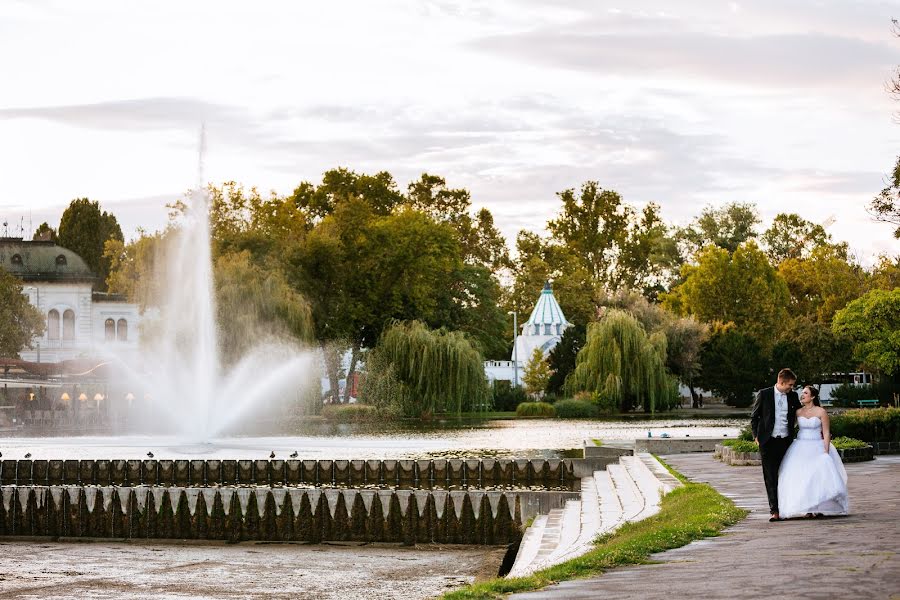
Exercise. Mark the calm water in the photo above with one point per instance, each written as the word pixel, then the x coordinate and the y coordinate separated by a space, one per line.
pixel 497 438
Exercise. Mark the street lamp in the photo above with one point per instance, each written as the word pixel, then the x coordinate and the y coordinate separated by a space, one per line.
pixel 515 348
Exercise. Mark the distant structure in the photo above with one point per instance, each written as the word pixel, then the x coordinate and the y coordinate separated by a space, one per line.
pixel 80 323
pixel 543 329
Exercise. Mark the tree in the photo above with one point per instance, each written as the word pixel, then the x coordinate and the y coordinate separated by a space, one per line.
pixel 740 288
pixel 727 227
pixel 886 274
pixel 44 233
pixel 791 236
pixel 812 349
pixel 537 374
pixel 417 371
pixel 822 283
pixel 885 206
pixel 379 191
pixel 872 323
pixel 734 365
pixel 563 356
pixel 84 229
pixel 624 365
pixel 137 269
pixel 20 322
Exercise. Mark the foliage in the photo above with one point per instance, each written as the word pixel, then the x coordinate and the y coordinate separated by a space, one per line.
pixel 535 409
pixel 20 322
pixel 726 228
pixel 136 269
pixel 563 355
pixel 812 350
pixel 351 413
pixel 869 424
pixel 823 283
pixel 622 363
pixel 421 371
pixel 692 512
pixel 873 324
pixel 746 434
pixel 743 446
pixel 740 288
pixel 886 274
pixel 252 302
pixel 848 443
pixel 45 232
pixel 885 206
pixel 734 366
pixel 506 396
pixel 792 236
pixel 84 229
pixel 572 408
pixel 537 373
pixel 847 392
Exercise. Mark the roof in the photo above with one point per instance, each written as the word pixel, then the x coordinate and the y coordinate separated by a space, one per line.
pixel 547 310
pixel 42 261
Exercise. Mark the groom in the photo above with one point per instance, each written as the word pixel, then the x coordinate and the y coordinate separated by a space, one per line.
pixel 772 419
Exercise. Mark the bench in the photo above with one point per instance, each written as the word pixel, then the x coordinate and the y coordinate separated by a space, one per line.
pixel 867 403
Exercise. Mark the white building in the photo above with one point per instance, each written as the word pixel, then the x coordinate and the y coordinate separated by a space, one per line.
pixel 80 323
pixel 543 329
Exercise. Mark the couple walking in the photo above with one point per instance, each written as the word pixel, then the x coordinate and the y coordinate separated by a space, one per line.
pixel 804 477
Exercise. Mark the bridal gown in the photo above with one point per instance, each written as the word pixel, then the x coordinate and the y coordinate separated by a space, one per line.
pixel 809 480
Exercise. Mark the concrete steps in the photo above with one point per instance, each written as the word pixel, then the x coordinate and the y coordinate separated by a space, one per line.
pixel 629 490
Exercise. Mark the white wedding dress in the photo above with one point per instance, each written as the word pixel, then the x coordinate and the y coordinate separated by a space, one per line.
pixel 809 480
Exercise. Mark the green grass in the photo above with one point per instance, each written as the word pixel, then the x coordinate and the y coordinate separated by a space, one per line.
pixel 689 513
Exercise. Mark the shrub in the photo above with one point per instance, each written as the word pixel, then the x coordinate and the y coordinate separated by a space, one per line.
pixel 744 446
pixel 869 424
pixel 746 434
pixel 573 408
pixel 535 409
pixel 349 413
pixel 846 394
pixel 848 443
pixel 507 397
pixel 730 443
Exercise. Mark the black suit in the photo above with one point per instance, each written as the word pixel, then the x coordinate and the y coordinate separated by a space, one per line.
pixel 772 449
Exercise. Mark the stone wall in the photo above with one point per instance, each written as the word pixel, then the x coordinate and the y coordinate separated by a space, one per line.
pixel 272 514
pixel 401 474
pixel 661 446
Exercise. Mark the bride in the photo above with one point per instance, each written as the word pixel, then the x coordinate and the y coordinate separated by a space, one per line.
pixel 812 481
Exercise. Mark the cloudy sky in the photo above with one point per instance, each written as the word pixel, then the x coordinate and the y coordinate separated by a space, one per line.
pixel 686 104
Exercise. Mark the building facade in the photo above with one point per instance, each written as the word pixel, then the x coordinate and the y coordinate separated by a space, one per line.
pixel 80 323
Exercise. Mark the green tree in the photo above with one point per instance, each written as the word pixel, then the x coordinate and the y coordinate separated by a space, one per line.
pixel 792 237
pixel 812 349
pixel 727 227
pixel 380 191
pixel 873 324
pixel 885 274
pixel 137 269
pixel 734 365
pixel 740 288
pixel 563 356
pixel 45 233
pixel 20 322
pixel 885 207
pixel 84 229
pixel 624 365
pixel 416 371
pixel 822 283
pixel 537 374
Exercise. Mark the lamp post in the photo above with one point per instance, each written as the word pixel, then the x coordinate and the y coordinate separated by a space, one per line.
pixel 515 348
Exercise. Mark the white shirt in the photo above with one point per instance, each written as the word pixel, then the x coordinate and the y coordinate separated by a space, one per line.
pixel 781 408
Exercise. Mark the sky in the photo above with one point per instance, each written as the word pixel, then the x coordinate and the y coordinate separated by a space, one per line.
pixel 688 104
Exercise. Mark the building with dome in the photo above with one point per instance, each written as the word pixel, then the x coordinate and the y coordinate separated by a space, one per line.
pixel 543 329
pixel 80 323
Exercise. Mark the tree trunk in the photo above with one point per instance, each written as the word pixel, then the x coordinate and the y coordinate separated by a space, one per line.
pixel 332 367
pixel 695 403
pixel 354 358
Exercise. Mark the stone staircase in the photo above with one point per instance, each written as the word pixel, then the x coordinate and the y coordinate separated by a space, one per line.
pixel 629 490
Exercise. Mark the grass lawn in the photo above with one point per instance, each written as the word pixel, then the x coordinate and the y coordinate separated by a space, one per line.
pixel 689 513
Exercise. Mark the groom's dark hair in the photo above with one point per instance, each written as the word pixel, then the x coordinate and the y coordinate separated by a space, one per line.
pixel 787 375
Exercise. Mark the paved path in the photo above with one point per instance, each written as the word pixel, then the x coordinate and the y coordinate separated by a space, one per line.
pixel 843 557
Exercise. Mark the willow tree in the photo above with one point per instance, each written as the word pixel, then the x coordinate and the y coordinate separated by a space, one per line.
pixel 623 365
pixel 416 371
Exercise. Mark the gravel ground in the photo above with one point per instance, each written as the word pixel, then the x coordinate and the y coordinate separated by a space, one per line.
pixel 122 570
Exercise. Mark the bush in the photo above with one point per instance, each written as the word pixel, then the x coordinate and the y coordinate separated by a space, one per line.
pixel 744 446
pixel 730 443
pixel 869 424
pixel 535 409
pixel 350 413
pixel 847 394
pixel 575 409
pixel 848 443
pixel 507 397
pixel 746 434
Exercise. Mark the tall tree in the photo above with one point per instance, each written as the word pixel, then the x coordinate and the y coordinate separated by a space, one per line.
pixel 727 227
pixel 137 269
pixel 84 229
pixel 792 236
pixel 734 365
pixel 563 356
pixel 822 283
pixel 873 324
pixel 379 191
pixel 44 233
pixel 20 322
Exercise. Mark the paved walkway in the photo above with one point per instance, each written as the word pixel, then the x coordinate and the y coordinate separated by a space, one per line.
pixel 843 557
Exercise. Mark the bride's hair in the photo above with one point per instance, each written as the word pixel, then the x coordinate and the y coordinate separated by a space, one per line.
pixel 814 392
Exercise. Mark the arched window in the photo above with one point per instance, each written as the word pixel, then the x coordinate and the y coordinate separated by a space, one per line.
pixel 53 325
pixel 61 260
pixel 109 328
pixel 122 330
pixel 16 259
pixel 68 328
